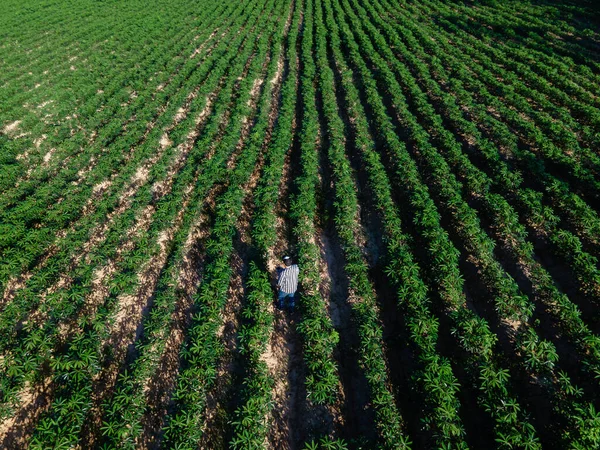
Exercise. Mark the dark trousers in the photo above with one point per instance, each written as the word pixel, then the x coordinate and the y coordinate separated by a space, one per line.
pixel 286 297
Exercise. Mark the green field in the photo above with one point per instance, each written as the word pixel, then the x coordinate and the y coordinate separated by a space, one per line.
pixel 433 166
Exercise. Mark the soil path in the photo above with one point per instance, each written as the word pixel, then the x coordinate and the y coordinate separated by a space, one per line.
pixel 284 352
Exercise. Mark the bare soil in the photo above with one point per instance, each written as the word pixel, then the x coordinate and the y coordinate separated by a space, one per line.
pixel 148 279
pixel 158 388
pixel 284 352
pixel 162 383
pixel 218 397
pixel 528 388
pixel 11 128
pixel 285 360
pixel 138 179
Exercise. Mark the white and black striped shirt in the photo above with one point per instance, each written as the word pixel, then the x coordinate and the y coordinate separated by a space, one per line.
pixel 288 279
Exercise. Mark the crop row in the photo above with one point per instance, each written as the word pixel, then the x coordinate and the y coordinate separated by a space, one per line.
pixel 56 200
pixel 204 348
pixel 316 329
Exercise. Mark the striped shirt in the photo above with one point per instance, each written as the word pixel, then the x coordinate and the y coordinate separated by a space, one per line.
pixel 288 279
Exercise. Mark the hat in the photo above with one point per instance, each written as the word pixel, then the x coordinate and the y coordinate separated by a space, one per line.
pixel 286 257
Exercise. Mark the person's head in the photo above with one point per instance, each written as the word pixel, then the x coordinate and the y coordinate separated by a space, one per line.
pixel 287 261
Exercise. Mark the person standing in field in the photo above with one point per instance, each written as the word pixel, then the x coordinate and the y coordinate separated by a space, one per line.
pixel 287 284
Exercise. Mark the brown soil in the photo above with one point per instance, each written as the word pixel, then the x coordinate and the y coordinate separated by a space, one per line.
pixel 12 286
pixel 98 234
pixel 544 320
pixel 99 293
pixel 48 156
pixel 15 284
pixel 103 186
pixel 131 307
pixel 328 269
pixel 198 50
pixel 284 354
pixel 294 419
pixel 284 351
pixel 140 177
pixel 215 416
pixel 526 386
pixel 11 128
pixel 218 397
pixel 38 142
pixel 358 414
pixel 284 358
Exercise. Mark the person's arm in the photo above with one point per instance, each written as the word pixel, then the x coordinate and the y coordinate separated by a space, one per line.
pixel 280 277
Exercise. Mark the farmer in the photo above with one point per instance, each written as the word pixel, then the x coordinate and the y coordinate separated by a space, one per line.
pixel 287 283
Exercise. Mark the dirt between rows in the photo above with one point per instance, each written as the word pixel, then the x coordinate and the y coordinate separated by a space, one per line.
pixel 283 356
pixel 223 400
pixel 356 409
pixel 284 350
pixel 294 419
pixel 356 420
pixel 158 387
pixel 35 400
pixel 220 399
pixel 98 234
pixel 63 162
pixel 126 328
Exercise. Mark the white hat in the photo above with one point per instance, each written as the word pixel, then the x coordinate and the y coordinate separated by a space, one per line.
pixel 286 257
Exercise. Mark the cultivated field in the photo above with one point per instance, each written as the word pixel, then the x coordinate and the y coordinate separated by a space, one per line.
pixel 432 166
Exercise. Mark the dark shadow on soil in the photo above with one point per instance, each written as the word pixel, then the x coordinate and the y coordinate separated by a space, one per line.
pixel 357 412
pixel 543 321
pixel 565 280
pixel 479 425
pixel 222 400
